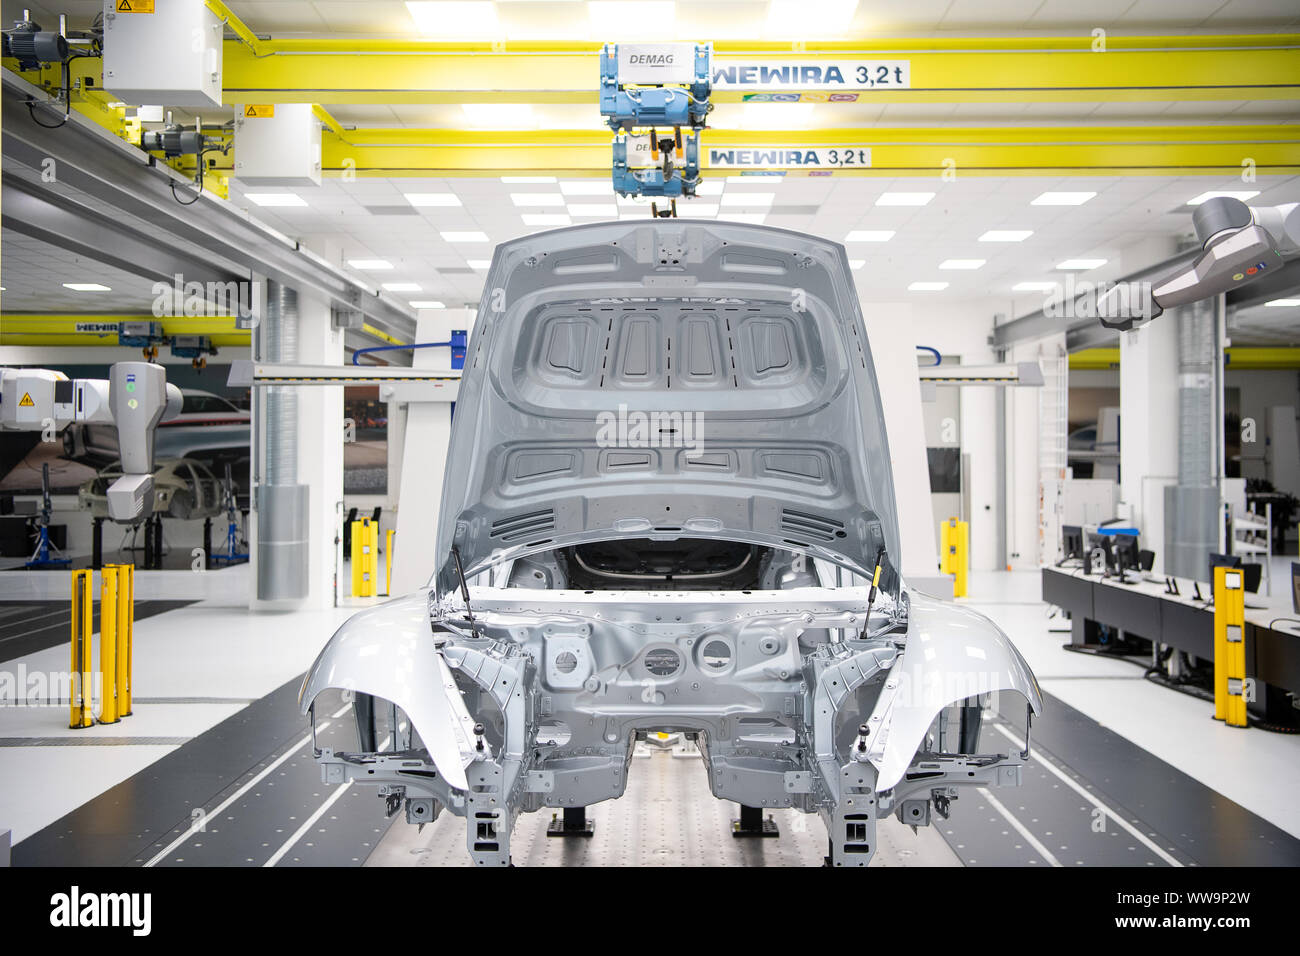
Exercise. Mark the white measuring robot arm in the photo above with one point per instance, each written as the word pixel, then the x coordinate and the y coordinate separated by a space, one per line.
pixel 1240 244
pixel 134 399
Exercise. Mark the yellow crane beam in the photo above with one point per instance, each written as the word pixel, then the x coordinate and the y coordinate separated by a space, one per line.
pixel 1000 151
pixel 979 70
pixel 26 328
pixel 1238 357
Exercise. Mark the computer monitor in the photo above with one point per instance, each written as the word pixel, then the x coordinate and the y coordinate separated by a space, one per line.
pixel 1295 587
pixel 1223 561
pixel 1146 560
pixel 1072 541
pixel 1250 577
pixel 1124 550
pixel 1101 542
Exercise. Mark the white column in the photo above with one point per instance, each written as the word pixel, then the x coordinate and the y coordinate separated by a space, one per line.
pixel 320 453
pixel 1148 422
pixel 424 459
pixel 891 334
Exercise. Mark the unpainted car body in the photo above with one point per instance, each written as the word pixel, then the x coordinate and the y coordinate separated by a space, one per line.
pixel 669 506
pixel 182 488
pixel 207 423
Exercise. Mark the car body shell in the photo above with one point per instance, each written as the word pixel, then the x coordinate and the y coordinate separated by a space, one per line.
pixel 669 506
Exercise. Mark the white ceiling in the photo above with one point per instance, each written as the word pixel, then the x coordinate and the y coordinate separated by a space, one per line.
pixel 350 220
pixel 371 219
pixel 748 19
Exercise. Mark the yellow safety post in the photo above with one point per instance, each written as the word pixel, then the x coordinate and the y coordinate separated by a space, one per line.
pixel 374 558
pixel 1229 647
pixel 125 636
pixel 365 563
pixel 108 621
pixel 388 562
pixel 954 540
pixel 357 563
pixel 79 680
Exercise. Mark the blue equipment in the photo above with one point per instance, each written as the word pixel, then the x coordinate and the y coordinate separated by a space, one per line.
pixel 634 90
pixel 667 179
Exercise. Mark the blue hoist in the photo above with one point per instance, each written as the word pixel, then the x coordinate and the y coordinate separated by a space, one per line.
pixel 649 94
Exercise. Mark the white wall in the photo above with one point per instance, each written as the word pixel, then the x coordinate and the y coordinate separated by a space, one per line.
pixel 1261 390
pixel 962 330
pixel 424 459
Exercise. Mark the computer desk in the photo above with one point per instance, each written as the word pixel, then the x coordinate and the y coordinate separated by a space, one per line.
pixel 1145 610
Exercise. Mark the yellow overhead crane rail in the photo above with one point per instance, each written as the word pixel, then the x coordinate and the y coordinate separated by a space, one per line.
pixel 1237 357
pixel 99 106
pixel 100 330
pixel 957 70
pixel 987 151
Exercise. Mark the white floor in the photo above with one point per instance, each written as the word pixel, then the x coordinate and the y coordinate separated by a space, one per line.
pixel 1255 768
pixel 220 657
pixel 215 657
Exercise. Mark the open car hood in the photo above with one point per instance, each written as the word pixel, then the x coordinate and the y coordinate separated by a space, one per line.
pixel 668 378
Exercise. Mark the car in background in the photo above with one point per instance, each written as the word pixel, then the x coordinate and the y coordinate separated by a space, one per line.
pixel 207 423
pixel 182 488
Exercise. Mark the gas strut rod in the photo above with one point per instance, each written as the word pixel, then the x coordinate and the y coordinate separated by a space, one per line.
pixel 464 589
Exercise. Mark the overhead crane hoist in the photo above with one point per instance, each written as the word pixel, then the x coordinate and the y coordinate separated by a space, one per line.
pixel 661 86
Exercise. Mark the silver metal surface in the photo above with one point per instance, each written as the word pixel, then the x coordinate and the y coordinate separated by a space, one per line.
pixel 666 818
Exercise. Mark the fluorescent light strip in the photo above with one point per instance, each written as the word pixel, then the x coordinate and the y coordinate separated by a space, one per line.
pixel 1282 303
pixel 86 287
pixel 428 304
pixel 276 199
pixel 402 286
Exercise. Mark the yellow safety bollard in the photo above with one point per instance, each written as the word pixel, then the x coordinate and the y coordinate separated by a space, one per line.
pixel 125 636
pixel 388 562
pixel 365 547
pixel 374 558
pixel 79 692
pixel 1229 647
pixel 954 543
pixel 357 563
pixel 108 627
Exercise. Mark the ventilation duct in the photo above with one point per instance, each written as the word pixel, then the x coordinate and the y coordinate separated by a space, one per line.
pixel 282 518
pixel 1192 506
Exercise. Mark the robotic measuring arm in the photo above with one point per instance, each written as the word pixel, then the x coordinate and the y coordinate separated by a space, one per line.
pixel 134 399
pixel 1240 244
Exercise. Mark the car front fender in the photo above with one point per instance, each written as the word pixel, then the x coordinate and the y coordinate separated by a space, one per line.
pixel 389 652
pixel 952 653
